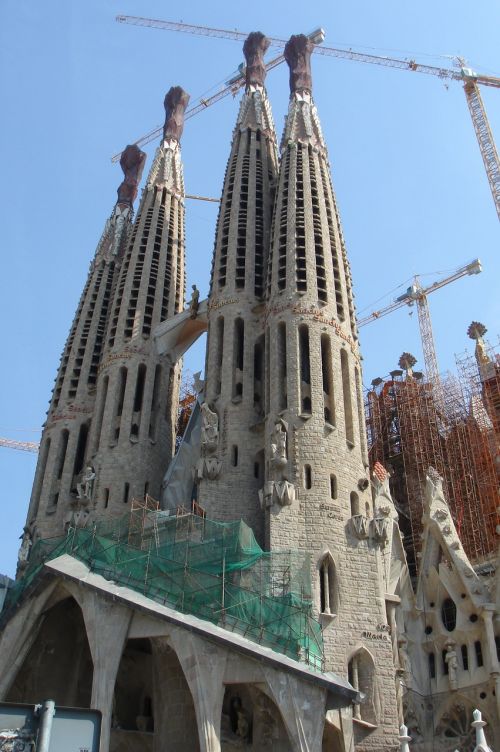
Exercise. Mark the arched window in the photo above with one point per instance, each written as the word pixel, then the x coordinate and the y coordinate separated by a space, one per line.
pixel 449 614
pixel 305 370
pixel 361 673
pixel 354 504
pixel 238 358
pixel 328 586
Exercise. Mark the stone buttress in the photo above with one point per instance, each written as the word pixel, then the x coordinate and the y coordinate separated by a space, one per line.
pixel 230 470
pixel 63 448
pixel 133 433
pixel 316 492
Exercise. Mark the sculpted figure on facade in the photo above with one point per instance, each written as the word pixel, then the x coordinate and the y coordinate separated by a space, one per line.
pixel 85 488
pixel 279 445
pixel 209 428
pixel 194 303
pixel 452 663
pixel 25 548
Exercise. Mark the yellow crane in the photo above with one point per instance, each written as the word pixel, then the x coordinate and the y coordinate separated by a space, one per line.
pixel 470 79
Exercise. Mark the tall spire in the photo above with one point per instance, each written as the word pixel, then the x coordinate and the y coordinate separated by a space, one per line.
pixel 60 461
pixel 315 493
pixel 236 344
pixel 132 436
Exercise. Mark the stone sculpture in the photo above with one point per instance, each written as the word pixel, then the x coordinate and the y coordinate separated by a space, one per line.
pixel 176 101
pixel 85 488
pixel 25 548
pixel 254 49
pixel 209 428
pixel 452 663
pixel 194 303
pixel 278 444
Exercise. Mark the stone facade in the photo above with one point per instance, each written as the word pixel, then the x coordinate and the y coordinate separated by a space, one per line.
pixel 280 443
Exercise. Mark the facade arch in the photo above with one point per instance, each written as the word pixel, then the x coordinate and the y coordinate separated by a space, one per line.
pixel 362 676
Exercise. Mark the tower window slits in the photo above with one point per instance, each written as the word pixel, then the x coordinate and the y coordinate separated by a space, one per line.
pixel 223 231
pixel 153 416
pixel 101 326
pixel 120 397
pixel 219 353
pixel 327 191
pixel 241 239
pixel 258 373
pixel 179 269
pixel 100 414
pixel 81 448
pixel 133 311
pixel 283 224
pixel 259 224
pixel 318 232
pixel 300 225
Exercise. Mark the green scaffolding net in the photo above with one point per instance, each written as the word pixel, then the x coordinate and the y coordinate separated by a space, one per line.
pixel 213 570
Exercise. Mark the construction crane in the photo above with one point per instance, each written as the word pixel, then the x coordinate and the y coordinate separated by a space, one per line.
pixel 416 294
pixel 25 446
pixel 466 75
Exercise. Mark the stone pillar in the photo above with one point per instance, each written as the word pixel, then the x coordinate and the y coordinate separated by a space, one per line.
pixel 107 626
pixel 204 666
pixel 391 603
pixel 302 707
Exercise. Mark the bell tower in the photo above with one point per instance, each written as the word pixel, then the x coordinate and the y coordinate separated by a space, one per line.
pixel 232 458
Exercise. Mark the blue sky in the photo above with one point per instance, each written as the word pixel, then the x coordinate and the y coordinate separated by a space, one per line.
pixel 76 87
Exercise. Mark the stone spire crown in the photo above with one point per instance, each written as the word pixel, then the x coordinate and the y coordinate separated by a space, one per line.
pixel 166 170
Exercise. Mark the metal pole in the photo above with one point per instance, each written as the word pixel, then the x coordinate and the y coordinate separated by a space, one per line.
pixel 46 713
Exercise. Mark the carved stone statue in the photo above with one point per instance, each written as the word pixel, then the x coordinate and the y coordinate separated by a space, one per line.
pixel 132 163
pixel 176 101
pixel 25 548
pixel 85 488
pixel 404 659
pixel 194 303
pixel 298 56
pixel 209 428
pixel 254 49
pixel 452 663
pixel 278 444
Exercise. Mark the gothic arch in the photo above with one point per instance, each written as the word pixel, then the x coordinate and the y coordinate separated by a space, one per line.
pixel 250 716
pixel 362 675
pixel 58 664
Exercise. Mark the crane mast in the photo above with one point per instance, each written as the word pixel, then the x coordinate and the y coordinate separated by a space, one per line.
pixel 484 138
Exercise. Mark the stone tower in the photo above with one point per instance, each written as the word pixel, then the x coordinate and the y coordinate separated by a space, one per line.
pixel 110 430
pixel 316 494
pixel 132 437
pixel 233 414
pixel 63 444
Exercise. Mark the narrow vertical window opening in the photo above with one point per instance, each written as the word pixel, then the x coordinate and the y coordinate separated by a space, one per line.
pixel 234 455
pixel 282 367
pixel 333 486
pixel 326 368
pixel 354 498
pixel 346 391
pixel 126 491
pixel 238 357
pixel 307 477
pixel 305 370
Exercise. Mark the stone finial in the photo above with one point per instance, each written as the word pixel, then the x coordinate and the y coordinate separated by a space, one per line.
pixel 406 362
pixel 478 725
pixel 404 739
pixel 298 57
pixel 254 49
pixel 176 101
pixel 132 163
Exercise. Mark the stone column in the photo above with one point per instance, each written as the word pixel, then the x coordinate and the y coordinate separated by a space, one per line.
pixel 204 665
pixel 492 663
pixel 391 602
pixel 107 626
